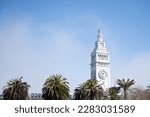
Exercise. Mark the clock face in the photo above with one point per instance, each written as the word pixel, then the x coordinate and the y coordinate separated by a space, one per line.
pixel 102 74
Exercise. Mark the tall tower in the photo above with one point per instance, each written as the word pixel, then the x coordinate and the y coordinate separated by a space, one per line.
pixel 100 62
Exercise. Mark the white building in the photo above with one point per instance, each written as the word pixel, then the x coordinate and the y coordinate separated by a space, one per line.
pixel 100 62
pixel 36 96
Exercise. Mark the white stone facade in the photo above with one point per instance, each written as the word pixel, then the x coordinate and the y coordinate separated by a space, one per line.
pixel 100 62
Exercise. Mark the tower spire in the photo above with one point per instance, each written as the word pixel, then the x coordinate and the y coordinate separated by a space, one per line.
pixel 100 35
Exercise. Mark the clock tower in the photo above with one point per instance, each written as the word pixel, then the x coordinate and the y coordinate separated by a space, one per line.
pixel 100 62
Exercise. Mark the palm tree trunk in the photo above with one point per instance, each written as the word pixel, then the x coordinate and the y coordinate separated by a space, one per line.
pixel 125 94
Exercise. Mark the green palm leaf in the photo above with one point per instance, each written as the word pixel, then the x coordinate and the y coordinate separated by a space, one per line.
pixel 16 90
pixel 125 85
pixel 55 88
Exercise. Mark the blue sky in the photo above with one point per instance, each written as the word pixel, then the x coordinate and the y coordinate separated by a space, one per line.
pixel 40 38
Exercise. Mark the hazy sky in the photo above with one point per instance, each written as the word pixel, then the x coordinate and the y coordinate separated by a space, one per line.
pixel 39 38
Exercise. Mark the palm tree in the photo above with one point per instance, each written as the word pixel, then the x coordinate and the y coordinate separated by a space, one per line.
pixel 79 92
pixel 93 90
pixel 89 90
pixel 55 88
pixel 125 85
pixel 113 93
pixel 16 90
